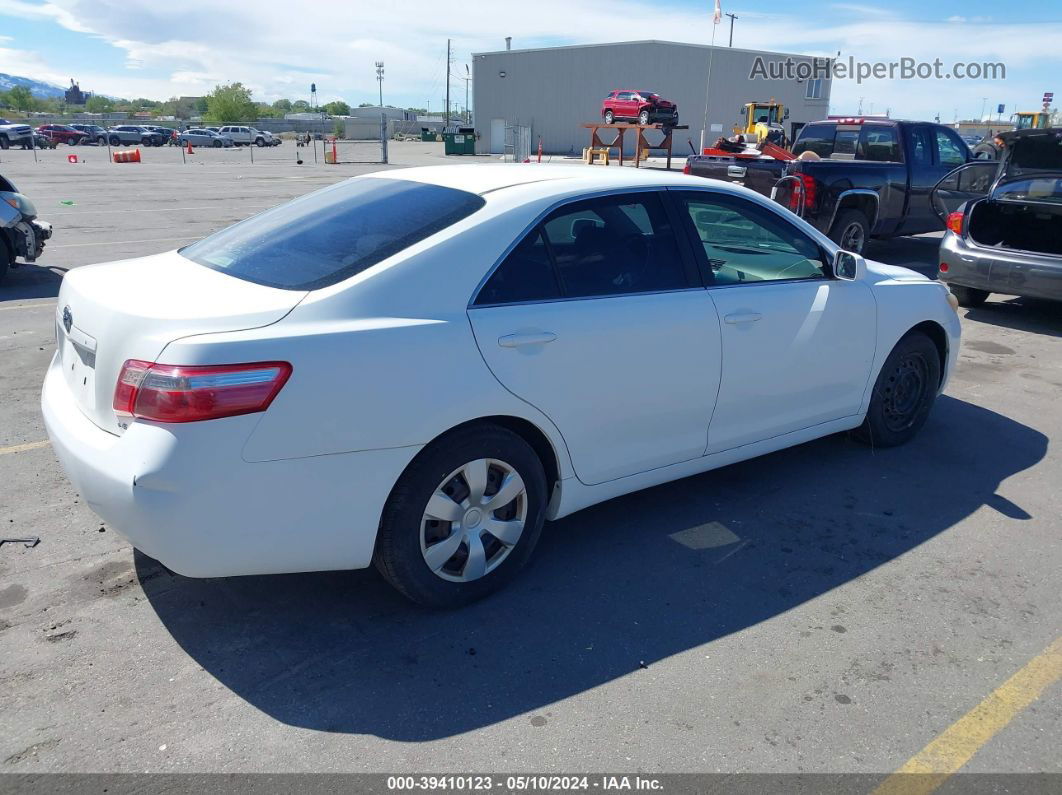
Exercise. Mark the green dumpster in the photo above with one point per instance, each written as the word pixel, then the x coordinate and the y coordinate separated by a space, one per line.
pixel 427 134
pixel 461 141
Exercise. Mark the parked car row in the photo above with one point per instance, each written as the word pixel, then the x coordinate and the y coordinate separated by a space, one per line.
pixel 50 135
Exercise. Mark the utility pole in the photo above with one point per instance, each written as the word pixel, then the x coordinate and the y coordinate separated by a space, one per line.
pixel 732 18
pixel 447 124
pixel 468 76
pixel 983 101
pixel 379 79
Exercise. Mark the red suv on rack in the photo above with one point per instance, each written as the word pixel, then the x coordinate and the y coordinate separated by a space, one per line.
pixel 61 134
pixel 642 107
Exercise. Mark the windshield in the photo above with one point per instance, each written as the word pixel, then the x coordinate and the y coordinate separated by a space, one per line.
pixel 334 233
pixel 767 113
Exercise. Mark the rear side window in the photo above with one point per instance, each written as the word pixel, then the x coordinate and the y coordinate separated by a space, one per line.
pixel 879 143
pixel 332 234
pixel 525 275
pixel 614 245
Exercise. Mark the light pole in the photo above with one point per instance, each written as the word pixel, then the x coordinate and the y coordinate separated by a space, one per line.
pixel 379 79
pixel 982 116
pixel 732 18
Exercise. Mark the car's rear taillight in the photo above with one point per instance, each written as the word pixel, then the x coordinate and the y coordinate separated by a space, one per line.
pixel 955 222
pixel 686 168
pixel 807 189
pixel 178 393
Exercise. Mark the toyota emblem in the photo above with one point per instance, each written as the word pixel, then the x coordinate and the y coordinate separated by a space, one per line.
pixel 68 319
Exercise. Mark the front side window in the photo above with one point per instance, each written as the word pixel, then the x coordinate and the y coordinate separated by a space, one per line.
pixel 331 234
pixel 744 243
pixel 613 245
pixel 950 151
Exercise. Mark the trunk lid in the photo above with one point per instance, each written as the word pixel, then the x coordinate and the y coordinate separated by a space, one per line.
pixel 132 309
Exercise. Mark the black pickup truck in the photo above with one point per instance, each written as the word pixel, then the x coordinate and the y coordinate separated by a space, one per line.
pixel 867 178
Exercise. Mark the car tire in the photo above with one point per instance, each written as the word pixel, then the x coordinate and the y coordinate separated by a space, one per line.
pixel 74 141
pixel 217 144
pixel 904 393
pixel 4 143
pixel 969 296
pixel 851 231
pixel 610 118
pixel 408 534
pixel 643 117
pixel 7 258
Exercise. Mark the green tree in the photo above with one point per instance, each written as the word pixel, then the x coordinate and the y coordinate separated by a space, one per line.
pixel 230 102
pixel 282 105
pixel 300 105
pixel 337 108
pixel 20 98
pixel 98 104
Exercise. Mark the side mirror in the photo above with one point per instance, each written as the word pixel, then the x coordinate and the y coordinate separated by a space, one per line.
pixel 786 114
pixel 848 266
pixel 743 110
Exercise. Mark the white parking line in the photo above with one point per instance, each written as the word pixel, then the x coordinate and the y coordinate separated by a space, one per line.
pixel 151 210
pixel 125 242
pixel 48 304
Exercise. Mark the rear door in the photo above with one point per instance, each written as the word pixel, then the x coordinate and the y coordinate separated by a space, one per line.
pixel 797 344
pixel 967 182
pixel 598 319
pixel 936 151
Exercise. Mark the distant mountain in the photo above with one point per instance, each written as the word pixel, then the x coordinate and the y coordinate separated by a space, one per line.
pixel 36 87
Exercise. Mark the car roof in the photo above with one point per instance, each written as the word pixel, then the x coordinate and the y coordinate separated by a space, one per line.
pixel 534 180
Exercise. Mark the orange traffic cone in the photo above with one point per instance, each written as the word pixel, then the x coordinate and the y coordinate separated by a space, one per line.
pixel 71 158
pixel 190 150
pixel 136 156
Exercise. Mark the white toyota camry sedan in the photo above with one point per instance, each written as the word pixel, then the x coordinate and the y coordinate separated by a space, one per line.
pixel 417 368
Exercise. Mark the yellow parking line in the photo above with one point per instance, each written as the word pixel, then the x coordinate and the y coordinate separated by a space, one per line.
pixel 21 448
pixel 930 767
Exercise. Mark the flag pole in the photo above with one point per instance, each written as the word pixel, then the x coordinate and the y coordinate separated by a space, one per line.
pixel 708 87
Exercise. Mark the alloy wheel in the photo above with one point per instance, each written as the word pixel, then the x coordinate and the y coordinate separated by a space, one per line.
pixel 853 239
pixel 473 520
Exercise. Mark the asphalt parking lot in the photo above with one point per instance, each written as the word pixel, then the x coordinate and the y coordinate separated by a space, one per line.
pixel 828 608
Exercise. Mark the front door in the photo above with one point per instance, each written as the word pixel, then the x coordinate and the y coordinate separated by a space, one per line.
pixel 497 136
pixel 936 151
pixel 798 345
pixel 597 318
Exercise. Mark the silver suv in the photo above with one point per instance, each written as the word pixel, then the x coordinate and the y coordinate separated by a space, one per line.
pixel 245 136
pixel 15 135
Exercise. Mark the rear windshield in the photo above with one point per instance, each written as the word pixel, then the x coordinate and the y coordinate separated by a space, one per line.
pixel 866 142
pixel 331 234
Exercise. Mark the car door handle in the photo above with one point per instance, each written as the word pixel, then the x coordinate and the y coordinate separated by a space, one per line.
pixel 743 317
pixel 529 338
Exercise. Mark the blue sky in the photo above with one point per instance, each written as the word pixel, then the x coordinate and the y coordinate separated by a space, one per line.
pixel 159 49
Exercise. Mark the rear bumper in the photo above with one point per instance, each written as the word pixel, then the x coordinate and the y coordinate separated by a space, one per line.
pixel 184 495
pixel 1000 270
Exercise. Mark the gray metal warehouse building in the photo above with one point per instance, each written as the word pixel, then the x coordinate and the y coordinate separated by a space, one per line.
pixel 554 90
